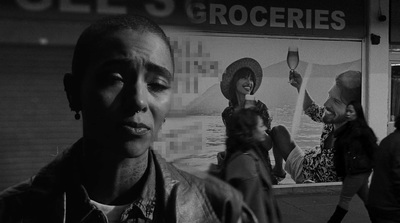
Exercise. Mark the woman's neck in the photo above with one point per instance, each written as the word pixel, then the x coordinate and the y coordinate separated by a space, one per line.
pixel 240 100
pixel 108 178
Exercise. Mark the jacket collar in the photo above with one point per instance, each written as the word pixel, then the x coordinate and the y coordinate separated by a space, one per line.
pixel 62 176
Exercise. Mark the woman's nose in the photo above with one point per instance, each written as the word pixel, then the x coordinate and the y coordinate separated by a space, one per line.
pixel 137 97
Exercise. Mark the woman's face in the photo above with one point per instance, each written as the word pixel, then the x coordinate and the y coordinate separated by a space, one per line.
pixel 245 85
pixel 126 93
pixel 351 114
pixel 259 133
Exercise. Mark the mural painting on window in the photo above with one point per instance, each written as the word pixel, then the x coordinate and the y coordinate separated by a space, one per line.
pixel 194 133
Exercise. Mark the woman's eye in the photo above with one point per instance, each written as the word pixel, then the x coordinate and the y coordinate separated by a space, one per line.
pixel 112 78
pixel 158 86
pixel 116 77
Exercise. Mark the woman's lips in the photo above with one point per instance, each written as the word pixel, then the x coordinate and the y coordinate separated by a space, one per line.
pixel 137 129
pixel 247 87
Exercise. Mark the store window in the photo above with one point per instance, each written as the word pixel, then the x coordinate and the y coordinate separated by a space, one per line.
pixel 394 68
pixel 394 72
pixel 194 133
pixel 395 90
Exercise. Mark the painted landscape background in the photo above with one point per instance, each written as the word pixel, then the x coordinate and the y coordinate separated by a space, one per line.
pixel 194 133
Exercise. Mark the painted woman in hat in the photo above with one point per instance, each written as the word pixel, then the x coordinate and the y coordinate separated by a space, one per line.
pixel 243 77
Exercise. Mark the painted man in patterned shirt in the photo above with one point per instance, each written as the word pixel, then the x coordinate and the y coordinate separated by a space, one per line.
pixel 316 165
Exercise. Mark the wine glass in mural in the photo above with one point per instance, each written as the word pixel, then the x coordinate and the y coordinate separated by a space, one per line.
pixel 292 58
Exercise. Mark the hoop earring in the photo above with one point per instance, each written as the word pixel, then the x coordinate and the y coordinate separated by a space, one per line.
pixel 77 115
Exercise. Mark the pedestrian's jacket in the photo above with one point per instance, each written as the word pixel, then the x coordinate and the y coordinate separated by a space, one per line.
pixel 260 107
pixel 55 196
pixel 384 192
pixel 354 149
pixel 245 171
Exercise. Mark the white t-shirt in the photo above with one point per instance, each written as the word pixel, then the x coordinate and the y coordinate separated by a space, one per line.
pixel 112 212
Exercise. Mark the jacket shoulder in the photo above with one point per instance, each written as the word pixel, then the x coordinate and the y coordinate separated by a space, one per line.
pixel 205 183
pixel 16 189
pixel 227 202
pixel 392 140
pixel 214 198
pixel 242 166
pixel 12 201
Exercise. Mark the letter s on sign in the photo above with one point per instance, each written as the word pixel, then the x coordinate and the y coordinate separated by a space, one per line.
pixel 154 9
pixel 338 16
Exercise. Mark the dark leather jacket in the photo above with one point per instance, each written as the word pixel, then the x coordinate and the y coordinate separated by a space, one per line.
pixel 384 192
pixel 354 148
pixel 246 172
pixel 54 196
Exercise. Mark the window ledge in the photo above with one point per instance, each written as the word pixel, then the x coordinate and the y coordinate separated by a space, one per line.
pixel 308 188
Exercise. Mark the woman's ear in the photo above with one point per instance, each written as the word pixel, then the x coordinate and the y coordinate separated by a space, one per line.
pixel 72 90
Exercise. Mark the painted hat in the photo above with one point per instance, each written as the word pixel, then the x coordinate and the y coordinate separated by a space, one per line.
pixel 230 71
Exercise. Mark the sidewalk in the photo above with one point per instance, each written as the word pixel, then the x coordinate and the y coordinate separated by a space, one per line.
pixel 315 203
pixel 310 203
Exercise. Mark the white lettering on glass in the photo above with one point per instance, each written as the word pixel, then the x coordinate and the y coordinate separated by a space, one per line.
pixel 320 17
pixel 34 6
pixel 295 16
pixel 68 6
pixel 217 10
pixel 277 14
pixel 253 16
pixel 338 17
pixel 167 9
pixel 196 13
pixel 104 7
pixel 238 10
pixel 308 19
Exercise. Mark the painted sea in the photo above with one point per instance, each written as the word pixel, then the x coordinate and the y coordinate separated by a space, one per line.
pixel 192 142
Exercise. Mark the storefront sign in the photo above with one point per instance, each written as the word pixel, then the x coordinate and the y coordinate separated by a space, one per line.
pixel 340 18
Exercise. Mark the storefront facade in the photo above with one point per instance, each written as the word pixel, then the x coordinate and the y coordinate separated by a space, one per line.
pixel 37 40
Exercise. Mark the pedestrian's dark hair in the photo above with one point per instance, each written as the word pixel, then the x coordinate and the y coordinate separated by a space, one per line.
pixel 92 36
pixel 349 83
pixel 244 72
pixel 362 122
pixel 240 136
pixel 359 112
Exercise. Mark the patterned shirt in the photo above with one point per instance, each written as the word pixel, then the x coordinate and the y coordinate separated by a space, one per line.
pixel 318 162
pixel 142 210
